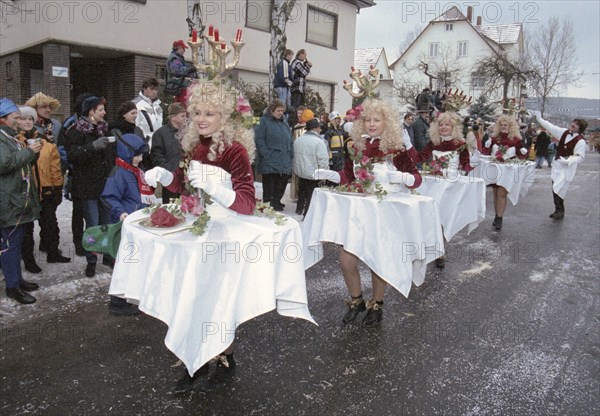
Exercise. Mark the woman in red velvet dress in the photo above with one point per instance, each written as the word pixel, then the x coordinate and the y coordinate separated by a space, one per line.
pixel 505 137
pixel 212 139
pixel 446 136
pixel 378 135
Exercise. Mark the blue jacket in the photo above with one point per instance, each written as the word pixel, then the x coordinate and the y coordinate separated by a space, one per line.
pixel 280 75
pixel 275 151
pixel 121 192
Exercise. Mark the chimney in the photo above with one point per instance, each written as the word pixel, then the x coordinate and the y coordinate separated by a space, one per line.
pixel 478 20
pixel 470 14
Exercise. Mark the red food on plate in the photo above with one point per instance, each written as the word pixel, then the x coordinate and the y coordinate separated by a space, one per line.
pixel 163 218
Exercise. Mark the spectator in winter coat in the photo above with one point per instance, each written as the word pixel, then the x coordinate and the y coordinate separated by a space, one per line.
pixel 421 131
pixel 409 119
pixel 166 149
pixel 92 155
pixel 541 149
pixel 18 200
pixel 335 141
pixel 275 152
pixel 150 113
pixel 283 79
pixel 179 72
pixel 300 70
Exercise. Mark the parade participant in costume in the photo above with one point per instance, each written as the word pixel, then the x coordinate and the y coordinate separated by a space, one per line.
pixel 570 151
pixel 18 200
pixel 378 135
pixel 505 139
pixel 446 139
pixel 212 139
pixel 126 191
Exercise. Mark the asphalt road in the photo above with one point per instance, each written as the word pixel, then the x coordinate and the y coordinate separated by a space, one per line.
pixel 510 327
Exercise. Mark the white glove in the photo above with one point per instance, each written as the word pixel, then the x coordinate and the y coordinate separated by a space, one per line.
pixel 406 139
pixel 563 161
pixel 510 152
pixel 158 174
pixel 401 177
pixel 474 157
pixel 289 82
pixel 535 113
pixel 523 151
pixel 330 175
pixel 212 185
pixel 488 143
pixel 573 160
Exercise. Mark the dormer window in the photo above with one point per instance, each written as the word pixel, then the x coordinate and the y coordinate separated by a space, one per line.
pixel 449 27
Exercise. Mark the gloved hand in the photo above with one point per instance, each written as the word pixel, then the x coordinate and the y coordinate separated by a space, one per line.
pixel 100 143
pixel 158 174
pixel 573 160
pixel 510 152
pixel 488 143
pixel 535 113
pixel 330 175
pixel 212 185
pixel 523 151
pixel 401 177
pixel 289 82
pixel 474 158
pixel 563 161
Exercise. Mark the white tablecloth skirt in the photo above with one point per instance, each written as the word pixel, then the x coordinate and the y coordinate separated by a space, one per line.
pixel 396 237
pixel 516 178
pixel 204 287
pixel 460 199
pixel 562 176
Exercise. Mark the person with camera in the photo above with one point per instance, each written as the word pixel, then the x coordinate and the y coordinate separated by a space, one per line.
pixel 18 200
pixel 92 155
pixel 300 70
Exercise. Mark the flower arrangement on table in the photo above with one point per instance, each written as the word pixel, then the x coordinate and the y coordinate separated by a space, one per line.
pixel 436 166
pixel 364 182
pixel 264 209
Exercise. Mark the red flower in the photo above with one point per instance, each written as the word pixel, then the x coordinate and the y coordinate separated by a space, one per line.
pixel 191 205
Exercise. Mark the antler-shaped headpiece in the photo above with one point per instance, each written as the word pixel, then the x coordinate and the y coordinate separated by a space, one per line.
pixel 366 84
pixel 456 100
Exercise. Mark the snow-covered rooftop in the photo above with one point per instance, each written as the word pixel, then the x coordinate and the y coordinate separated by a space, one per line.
pixel 364 58
pixel 501 34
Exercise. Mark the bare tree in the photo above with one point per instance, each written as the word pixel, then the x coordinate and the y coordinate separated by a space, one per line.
pixel 552 56
pixel 194 21
pixel 409 39
pixel 499 72
pixel 279 18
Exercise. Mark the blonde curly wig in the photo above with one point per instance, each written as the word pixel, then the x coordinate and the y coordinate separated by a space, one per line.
pixel 456 122
pixel 513 129
pixel 221 98
pixel 391 139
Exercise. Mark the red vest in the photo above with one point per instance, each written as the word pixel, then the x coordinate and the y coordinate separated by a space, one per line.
pixel 566 149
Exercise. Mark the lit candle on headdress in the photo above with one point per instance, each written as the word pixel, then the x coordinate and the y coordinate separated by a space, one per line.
pixel 238 35
pixel 223 46
pixel 210 30
pixel 216 35
pixel 194 35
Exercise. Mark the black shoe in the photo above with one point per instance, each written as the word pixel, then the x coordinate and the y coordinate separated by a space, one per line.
pixel 224 373
pixel 298 211
pixel 32 267
pixel 128 309
pixel 355 306
pixel 495 221
pixel 57 258
pixel 42 247
pixel 79 251
pixel 90 270
pixel 20 295
pixel 498 224
pixel 278 208
pixel 558 215
pixel 110 262
pixel 374 313
pixel 28 286
pixel 185 383
pixel 440 262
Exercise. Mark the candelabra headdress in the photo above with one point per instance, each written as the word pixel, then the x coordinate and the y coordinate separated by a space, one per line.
pixel 457 100
pixel 217 53
pixel 366 84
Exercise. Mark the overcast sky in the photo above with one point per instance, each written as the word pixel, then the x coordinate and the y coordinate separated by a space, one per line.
pixel 388 23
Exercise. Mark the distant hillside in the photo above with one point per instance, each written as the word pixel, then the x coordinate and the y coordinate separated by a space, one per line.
pixel 567 107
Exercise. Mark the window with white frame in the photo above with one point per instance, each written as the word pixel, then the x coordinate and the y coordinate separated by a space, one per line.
pixel 449 27
pixel 321 27
pixel 434 49
pixel 258 14
pixel 462 48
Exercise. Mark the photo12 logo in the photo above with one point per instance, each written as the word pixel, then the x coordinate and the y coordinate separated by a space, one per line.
pixel 69 12
pixel 490 12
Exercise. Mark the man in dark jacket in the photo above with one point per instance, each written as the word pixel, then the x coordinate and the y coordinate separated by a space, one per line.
pixel 421 130
pixel 166 147
pixel 335 141
pixel 282 81
pixel 178 70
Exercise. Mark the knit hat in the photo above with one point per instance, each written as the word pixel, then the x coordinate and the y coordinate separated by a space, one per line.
pixel 179 44
pixel 306 116
pixel 7 107
pixel 41 99
pixel 176 108
pixel 27 111
pixel 91 103
pixel 125 108
pixel 312 123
